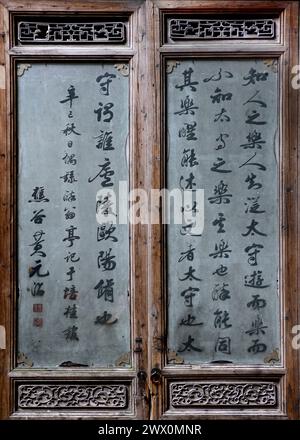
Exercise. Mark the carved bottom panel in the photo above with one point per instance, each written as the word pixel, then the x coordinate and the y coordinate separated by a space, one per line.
pixel 230 394
pixel 47 396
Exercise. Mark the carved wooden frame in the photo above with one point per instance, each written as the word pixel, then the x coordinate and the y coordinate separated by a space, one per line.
pixel 106 384
pixel 285 377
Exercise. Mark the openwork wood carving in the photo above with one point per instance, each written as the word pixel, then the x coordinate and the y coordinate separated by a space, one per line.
pixel 223 394
pixel 202 29
pixel 75 396
pixel 104 32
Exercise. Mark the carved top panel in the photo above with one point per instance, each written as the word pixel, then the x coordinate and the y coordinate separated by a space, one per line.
pixel 220 29
pixel 70 33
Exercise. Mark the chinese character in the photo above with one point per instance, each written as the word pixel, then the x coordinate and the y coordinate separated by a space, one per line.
pixel 71 333
pixel 189 254
pixel 69 159
pixel 254 76
pixel 188 131
pixel 38 217
pixel 70 293
pixel 221 250
pixel 252 230
pixel 250 179
pixel 257 347
pixel 38 195
pixel 71 235
pixel 105 319
pixel 257 327
pixel 189 275
pixel 187 107
pixel 252 252
pixel 187 73
pixel 36 270
pixel 220 223
pixel 219 96
pixel 190 321
pixel 106 260
pixel 257 303
pixel 71 312
pixel 223 345
pixel 188 295
pixel 37 245
pixel 105 290
pixel 221 319
pixel 71 257
pixel 104 109
pixel 218 76
pixel 221 270
pixel 69 177
pixel 71 96
pixel 69 196
pixel 104 141
pixel 221 194
pixel 217 166
pixel 70 128
pixel 105 231
pixel 220 292
pixel 255 280
pixel 254 141
pixel 222 116
pixel 256 164
pixel 188 345
pixel 104 82
pixel 37 289
pixel 105 173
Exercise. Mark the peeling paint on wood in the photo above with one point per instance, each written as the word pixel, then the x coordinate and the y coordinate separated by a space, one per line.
pixel 2 338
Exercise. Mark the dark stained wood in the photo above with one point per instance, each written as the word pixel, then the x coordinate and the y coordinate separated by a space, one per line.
pixel 135 53
pixel 66 6
pixel 5 215
pixel 157 332
pixel 139 238
pixel 290 194
pixel 286 49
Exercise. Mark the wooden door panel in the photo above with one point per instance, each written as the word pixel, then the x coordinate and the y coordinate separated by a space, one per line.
pixel 201 50
pixel 51 369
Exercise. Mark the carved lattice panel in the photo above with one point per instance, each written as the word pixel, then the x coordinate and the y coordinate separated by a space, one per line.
pixel 231 394
pixel 101 32
pixel 220 29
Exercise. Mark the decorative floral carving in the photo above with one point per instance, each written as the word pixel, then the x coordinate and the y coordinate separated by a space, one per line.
pixel 171 65
pixel 223 394
pixel 272 63
pixel 122 68
pixel 124 360
pixel 273 357
pixel 21 68
pixel 75 396
pixel 23 360
pixel 174 358
pixel 221 29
